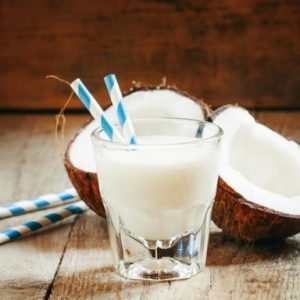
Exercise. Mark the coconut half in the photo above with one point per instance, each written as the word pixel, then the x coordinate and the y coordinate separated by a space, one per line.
pixel 258 195
pixel 140 102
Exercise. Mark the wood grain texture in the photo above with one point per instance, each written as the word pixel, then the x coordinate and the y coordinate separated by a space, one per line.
pixel 30 165
pixel 224 51
pixel 74 261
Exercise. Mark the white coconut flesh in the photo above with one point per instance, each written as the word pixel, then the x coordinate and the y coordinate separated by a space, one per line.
pixel 140 104
pixel 258 163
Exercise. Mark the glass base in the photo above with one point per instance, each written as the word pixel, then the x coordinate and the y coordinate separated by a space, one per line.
pixel 177 258
pixel 158 269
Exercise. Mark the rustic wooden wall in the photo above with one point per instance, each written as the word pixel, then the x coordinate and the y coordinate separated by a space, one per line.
pixel 245 51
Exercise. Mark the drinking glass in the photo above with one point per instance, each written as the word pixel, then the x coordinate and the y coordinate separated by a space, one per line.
pixel 158 196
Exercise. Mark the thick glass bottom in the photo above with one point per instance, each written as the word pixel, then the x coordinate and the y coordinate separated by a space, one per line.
pixel 179 257
pixel 158 269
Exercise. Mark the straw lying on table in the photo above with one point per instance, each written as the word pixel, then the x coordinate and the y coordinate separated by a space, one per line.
pixel 121 112
pixel 41 202
pixel 96 111
pixel 49 219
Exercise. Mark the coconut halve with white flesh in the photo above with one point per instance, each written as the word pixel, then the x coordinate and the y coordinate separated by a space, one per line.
pixel 258 195
pixel 140 102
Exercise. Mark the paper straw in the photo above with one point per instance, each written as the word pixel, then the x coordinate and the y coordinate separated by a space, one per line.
pixel 41 202
pixel 27 228
pixel 96 111
pixel 122 114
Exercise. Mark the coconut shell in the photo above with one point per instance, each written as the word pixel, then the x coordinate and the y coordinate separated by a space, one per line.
pixel 247 221
pixel 244 220
pixel 86 183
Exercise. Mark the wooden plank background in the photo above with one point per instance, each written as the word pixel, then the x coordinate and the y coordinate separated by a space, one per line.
pixel 245 51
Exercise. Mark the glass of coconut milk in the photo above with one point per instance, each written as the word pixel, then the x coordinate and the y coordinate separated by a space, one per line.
pixel 158 196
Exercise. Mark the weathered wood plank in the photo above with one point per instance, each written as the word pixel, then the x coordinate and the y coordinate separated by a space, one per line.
pixel 228 51
pixel 234 271
pixel 262 272
pixel 30 165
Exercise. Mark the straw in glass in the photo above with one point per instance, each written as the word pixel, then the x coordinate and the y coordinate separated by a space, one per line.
pixel 122 114
pixel 27 228
pixel 41 202
pixel 96 111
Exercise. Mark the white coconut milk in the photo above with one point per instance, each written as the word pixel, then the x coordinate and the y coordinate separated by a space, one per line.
pixel 159 193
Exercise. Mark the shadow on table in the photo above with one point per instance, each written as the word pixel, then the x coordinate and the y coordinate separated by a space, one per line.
pixel 103 282
pixel 223 251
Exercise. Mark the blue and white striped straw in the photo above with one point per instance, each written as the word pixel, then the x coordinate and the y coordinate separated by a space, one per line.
pixel 117 101
pixel 41 202
pixel 96 111
pixel 45 221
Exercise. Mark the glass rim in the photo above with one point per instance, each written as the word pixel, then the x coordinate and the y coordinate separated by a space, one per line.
pixel 96 134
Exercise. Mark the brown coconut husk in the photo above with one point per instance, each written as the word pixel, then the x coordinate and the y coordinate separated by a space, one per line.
pixel 85 183
pixel 243 220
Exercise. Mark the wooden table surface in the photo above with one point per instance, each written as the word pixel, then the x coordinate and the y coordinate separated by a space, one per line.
pixel 72 260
